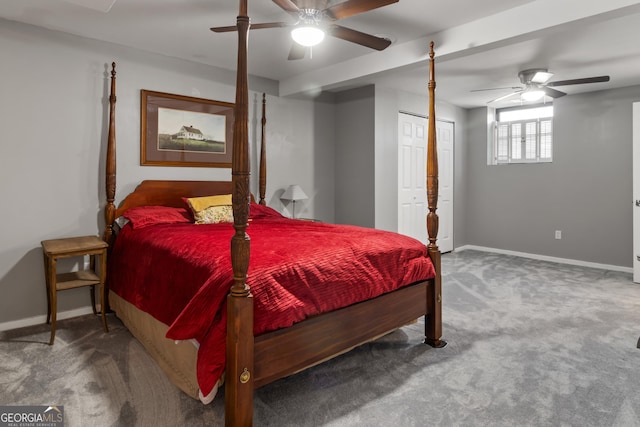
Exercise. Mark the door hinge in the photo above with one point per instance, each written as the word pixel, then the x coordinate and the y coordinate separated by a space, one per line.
pixel 638 203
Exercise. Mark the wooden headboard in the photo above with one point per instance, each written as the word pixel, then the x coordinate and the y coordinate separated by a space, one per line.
pixel 170 193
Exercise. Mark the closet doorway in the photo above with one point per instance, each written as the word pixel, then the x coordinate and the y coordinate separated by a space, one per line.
pixel 412 172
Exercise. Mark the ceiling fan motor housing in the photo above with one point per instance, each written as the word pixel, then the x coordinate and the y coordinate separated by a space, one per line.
pixel 310 16
pixel 534 75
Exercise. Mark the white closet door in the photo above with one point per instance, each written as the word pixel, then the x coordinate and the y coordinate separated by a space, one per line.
pixel 412 194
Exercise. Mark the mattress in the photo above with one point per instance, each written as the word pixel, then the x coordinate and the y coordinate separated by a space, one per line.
pixel 180 273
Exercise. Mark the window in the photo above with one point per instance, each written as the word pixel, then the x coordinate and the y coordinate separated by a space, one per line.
pixel 523 135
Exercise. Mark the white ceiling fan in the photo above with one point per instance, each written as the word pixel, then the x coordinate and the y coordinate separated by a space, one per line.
pixel 537 85
pixel 99 5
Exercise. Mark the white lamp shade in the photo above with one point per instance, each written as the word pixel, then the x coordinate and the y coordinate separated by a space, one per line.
pixel 309 35
pixel 294 192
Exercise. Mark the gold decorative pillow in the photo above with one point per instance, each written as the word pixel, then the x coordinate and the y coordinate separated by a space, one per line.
pixel 211 209
pixel 214 215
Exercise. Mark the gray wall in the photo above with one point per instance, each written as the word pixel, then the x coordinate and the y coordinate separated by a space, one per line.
pixel 388 104
pixel 53 116
pixel 585 192
pixel 354 157
pixel 300 150
pixel 367 155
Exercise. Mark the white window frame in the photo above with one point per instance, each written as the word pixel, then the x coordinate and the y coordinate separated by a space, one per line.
pixel 512 140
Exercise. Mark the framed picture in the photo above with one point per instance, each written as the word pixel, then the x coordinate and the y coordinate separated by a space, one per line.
pixel 178 130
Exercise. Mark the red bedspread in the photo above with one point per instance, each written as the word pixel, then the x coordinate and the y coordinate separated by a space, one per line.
pixel 180 273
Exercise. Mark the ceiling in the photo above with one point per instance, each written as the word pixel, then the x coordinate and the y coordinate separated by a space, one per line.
pixel 479 44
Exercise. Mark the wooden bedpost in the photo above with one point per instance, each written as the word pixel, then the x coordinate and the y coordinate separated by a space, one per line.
pixel 239 368
pixel 110 181
pixel 263 154
pixel 433 324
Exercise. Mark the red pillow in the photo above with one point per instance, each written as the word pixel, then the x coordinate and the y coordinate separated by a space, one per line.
pixel 144 216
pixel 261 211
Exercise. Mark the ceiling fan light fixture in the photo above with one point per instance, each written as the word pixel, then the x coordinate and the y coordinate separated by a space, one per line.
pixel 534 94
pixel 307 35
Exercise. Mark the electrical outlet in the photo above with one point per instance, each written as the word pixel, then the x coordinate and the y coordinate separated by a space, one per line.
pixel 558 234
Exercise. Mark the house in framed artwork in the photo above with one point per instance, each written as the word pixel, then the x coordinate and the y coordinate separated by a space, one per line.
pixel 189 132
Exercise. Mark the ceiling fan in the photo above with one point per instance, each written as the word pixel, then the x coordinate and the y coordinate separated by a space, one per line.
pixel 316 17
pixel 537 85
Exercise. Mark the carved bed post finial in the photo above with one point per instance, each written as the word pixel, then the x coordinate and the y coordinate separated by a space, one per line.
pixel 263 153
pixel 110 173
pixel 239 373
pixel 433 327
pixel 432 158
pixel 240 172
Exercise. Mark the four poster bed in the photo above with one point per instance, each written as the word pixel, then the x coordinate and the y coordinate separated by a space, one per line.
pixel 295 294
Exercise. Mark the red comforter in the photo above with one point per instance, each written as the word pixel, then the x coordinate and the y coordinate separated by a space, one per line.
pixel 180 273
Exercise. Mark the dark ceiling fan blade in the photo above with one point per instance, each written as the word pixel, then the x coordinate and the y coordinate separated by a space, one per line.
pixel 253 27
pixel 224 29
pixel 553 93
pixel 297 51
pixel 353 36
pixel 497 88
pixel 287 5
pixel 598 79
pixel 353 7
pixel 503 97
pixel 269 25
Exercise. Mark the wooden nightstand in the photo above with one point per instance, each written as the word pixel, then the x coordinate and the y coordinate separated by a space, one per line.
pixel 74 247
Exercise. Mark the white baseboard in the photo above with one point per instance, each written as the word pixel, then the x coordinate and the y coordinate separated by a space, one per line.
pixel 40 320
pixel 548 258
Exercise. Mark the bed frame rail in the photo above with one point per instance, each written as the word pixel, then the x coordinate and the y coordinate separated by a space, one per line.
pixel 287 351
